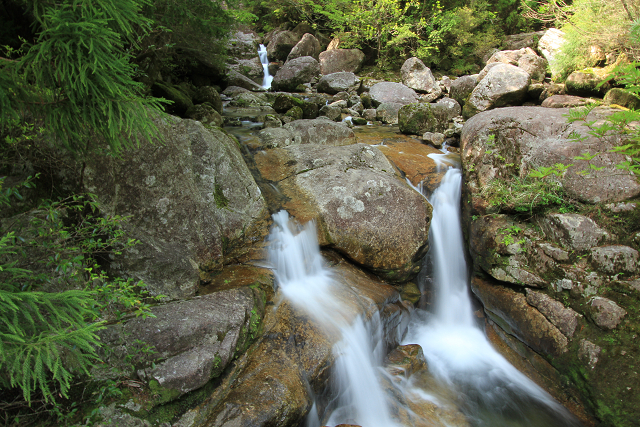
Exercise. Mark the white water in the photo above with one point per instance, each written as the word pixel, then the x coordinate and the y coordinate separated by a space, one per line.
pixel 492 392
pixel 268 78
pixel 304 281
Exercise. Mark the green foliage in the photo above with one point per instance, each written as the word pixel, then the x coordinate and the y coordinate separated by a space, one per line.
pixel 54 296
pixel 523 195
pixel 77 78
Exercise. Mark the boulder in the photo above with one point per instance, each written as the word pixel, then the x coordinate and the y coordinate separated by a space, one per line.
pixel 332 112
pixel 318 131
pixel 606 313
pixel 284 102
pixel 387 112
pixel 623 98
pixel 534 65
pixel 337 60
pixel 206 114
pixel 362 208
pixel 242 45
pixel 392 92
pixel 503 85
pixel 528 136
pixel 192 200
pixel 522 40
pixel 592 82
pixel 566 101
pixel 589 353
pixel 280 45
pixel 510 310
pixel 296 72
pixel 338 82
pixel 418 77
pixel 251 68
pixel 307 46
pixel 416 119
pixel 550 44
pixel 193 340
pixel 416 162
pixel 563 318
pixel 616 259
pixel 180 101
pixel 462 87
pixel 234 78
pixel 209 94
pixel 576 232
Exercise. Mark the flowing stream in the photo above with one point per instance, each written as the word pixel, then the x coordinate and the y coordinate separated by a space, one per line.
pixel 491 391
pixel 487 389
pixel 268 78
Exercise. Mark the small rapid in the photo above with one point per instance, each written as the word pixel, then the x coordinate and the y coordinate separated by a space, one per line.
pixel 268 78
pixel 303 280
pixel 491 391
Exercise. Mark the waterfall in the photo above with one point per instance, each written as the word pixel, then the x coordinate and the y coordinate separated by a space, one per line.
pixel 492 391
pixel 301 277
pixel 262 53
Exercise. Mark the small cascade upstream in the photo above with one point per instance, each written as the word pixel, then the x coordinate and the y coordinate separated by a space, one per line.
pixel 294 255
pixel 268 78
pixel 492 391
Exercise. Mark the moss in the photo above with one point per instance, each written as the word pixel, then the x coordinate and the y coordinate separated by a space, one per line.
pixel 219 197
pixel 162 394
pixel 416 119
pixel 295 113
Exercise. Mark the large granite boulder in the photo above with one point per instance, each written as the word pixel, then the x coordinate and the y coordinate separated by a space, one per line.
pixel 193 341
pixel 392 92
pixel 362 208
pixel 504 84
pixel 530 137
pixel 337 60
pixel 280 45
pixel 387 112
pixel 591 82
pixel 234 78
pixel 318 131
pixel 462 87
pixel 418 77
pixel 416 119
pixel 525 58
pixel 296 72
pixel 338 82
pixel 209 94
pixel 307 46
pixel 193 204
pixel 623 98
pixel 550 44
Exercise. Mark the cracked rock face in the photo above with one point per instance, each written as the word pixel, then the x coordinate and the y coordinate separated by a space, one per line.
pixel 196 184
pixel 362 207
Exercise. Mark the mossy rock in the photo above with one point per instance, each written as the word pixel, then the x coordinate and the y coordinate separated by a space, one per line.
pixel 416 119
pixel 623 98
pixel 284 102
pixel 295 113
pixel 181 101
pixel 589 82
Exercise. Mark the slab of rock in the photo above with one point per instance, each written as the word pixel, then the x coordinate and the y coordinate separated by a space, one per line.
pixel 623 98
pixel 416 119
pixel 615 259
pixel 418 77
pixel 564 318
pixel 462 87
pixel 528 136
pixel 362 208
pixel 338 82
pixel 574 231
pixel 318 131
pixel 392 92
pixel 566 101
pixel 307 46
pixel 589 353
pixel 606 313
pixel 234 78
pixel 594 82
pixel 280 45
pixel 550 43
pixel 503 85
pixel 387 112
pixel 296 72
pixel 337 60
pixel 510 310
pixel 412 158
pixel 192 200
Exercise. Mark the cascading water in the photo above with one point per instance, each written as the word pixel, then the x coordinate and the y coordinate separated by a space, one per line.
pixel 492 392
pixel 308 285
pixel 268 78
